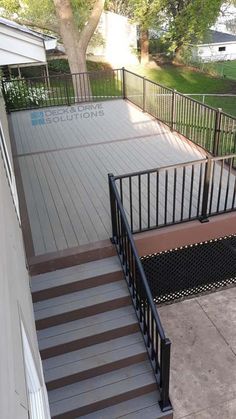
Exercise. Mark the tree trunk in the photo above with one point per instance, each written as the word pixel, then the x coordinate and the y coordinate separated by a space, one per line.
pixel 178 55
pixel 76 43
pixel 144 44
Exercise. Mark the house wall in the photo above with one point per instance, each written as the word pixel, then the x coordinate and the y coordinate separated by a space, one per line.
pixel 120 40
pixel 17 47
pixel 211 52
pixel 15 302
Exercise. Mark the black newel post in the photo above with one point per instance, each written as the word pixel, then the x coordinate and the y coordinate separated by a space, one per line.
pixel 113 208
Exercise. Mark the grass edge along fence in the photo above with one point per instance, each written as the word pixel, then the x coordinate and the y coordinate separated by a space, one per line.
pixel 210 128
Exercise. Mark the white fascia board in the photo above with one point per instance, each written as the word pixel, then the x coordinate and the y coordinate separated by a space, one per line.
pixel 215 44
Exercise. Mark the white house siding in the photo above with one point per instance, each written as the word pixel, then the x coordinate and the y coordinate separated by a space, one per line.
pixel 120 40
pixel 15 302
pixel 17 47
pixel 211 52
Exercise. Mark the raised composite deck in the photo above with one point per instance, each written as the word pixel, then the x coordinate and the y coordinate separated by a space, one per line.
pixel 64 155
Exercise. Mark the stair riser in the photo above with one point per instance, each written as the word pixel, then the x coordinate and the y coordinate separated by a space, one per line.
pixel 76 286
pixel 97 371
pixel 88 341
pixel 81 313
pixel 107 402
pixel 70 257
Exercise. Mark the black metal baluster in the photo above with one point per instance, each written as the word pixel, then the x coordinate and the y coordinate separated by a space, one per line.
pixel 191 192
pixel 140 202
pixel 157 198
pixel 220 186
pixel 148 200
pixel 228 182
pixel 182 195
pixel 131 203
pixel 166 197
pixel 174 195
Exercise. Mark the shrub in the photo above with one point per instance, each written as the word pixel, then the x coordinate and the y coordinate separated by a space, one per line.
pixel 61 65
pixel 19 93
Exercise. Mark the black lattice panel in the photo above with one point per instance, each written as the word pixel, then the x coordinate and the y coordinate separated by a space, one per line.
pixel 192 269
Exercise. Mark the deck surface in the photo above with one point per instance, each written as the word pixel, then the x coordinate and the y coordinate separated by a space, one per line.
pixel 64 155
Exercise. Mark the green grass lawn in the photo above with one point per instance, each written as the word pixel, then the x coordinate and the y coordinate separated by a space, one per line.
pixel 188 80
pixel 225 69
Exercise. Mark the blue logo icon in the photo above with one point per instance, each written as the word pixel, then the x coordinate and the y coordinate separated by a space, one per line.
pixel 37 118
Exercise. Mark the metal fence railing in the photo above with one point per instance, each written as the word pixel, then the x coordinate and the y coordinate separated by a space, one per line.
pixel 207 127
pixel 66 89
pixel 158 346
pixel 178 193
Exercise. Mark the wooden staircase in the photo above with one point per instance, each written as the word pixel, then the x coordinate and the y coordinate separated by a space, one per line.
pixel 94 358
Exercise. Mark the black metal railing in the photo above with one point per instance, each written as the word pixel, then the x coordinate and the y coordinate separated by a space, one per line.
pixel 65 89
pixel 158 346
pixel 174 194
pixel 207 127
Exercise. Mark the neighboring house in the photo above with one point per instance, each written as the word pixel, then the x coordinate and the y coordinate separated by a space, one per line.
pixel 22 47
pixel 120 40
pixel 218 46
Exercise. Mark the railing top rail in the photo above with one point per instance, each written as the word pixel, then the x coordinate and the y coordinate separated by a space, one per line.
pixel 210 94
pixel 227 157
pixel 196 101
pixel 158 169
pixel 108 70
pixel 138 263
pixel 228 115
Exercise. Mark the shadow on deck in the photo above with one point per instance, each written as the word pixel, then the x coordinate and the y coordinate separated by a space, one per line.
pixel 63 155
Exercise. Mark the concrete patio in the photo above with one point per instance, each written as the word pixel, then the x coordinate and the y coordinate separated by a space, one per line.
pixel 203 363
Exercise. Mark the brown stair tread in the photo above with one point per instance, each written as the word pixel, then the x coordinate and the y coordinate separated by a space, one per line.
pixel 85 396
pixel 90 351
pixel 94 358
pixel 81 299
pixel 75 274
pixel 86 322
pixel 142 407
pixel 80 331
pixel 98 363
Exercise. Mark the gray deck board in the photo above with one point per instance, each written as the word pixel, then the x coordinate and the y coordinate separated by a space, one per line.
pixel 64 167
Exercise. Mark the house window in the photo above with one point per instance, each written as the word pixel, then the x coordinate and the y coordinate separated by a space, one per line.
pixel 9 170
pixel 221 49
pixel 5 155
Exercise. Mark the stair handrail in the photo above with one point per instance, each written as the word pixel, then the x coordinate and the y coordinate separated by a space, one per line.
pixel 158 345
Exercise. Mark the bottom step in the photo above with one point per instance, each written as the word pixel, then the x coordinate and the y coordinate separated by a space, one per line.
pixel 142 407
pixel 90 395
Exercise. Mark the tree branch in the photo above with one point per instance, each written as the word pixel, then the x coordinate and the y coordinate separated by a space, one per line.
pixel 90 27
pixel 52 27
